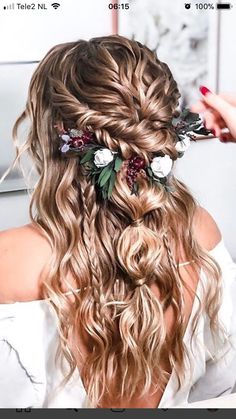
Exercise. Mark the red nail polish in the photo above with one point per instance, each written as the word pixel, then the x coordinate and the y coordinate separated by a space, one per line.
pixel 204 90
pixel 213 132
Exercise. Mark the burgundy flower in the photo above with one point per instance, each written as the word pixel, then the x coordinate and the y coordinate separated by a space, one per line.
pixel 77 142
pixel 135 165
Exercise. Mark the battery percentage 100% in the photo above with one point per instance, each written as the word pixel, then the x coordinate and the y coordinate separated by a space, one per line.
pixel 205 6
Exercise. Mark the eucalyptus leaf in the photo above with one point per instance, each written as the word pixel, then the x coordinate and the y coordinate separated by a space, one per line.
pixel 135 189
pixel 104 191
pixel 88 156
pixel 132 191
pixel 192 117
pixel 111 184
pixel 106 176
pixel 163 180
pixel 118 163
pixel 184 113
pixel 175 121
pixel 149 170
pixel 102 173
pixel 104 195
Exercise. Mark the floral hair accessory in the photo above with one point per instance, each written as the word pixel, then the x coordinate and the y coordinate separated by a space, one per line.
pixel 135 165
pixel 75 139
pixel 102 164
pixel 188 126
pixel 157 171
pixel 161 166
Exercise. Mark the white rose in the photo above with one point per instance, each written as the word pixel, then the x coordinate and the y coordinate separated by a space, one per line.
pixel 103 157
pixel 183 145
pixel 161 166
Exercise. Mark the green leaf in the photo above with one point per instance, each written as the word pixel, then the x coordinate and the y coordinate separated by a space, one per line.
pixel 163 180
pixel 104 192
pixel 149 170
pixel 93 146
pixel 118 163
pixel 103 172
pixel 192 117
pixel 175 121
pixel 135 189
pixel 106 176
pixel 111 184
pixel 87 156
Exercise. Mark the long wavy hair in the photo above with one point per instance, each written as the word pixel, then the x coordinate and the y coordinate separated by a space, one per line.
pixel 120 90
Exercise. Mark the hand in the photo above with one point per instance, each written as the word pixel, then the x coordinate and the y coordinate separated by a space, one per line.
pixel 219 113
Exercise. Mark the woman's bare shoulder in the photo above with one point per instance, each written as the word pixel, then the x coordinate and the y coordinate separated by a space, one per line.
pixel 206 229
pixel 25 236
pixel 23 253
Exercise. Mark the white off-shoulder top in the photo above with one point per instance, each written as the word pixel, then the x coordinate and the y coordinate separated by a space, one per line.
pixel 28 343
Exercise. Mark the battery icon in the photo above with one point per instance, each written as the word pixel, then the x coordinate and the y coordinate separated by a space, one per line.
pixel 222 6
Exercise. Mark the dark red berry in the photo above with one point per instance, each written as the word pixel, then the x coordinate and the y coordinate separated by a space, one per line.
pixel 77 142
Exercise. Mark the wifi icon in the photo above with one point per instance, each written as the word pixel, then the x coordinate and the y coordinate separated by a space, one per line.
pixel 55 5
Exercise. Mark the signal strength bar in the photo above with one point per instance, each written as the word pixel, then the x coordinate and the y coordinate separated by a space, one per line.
pixel 9 7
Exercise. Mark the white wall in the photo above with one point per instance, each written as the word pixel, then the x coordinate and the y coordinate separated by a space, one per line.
pixel 30 34
pixel 13 209
pixel 208 168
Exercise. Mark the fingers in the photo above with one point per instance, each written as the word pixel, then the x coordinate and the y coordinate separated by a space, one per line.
pixel 218 113
pixel 199 106
pixel 229 98
pixel 226 138
pixel 213 122
pixel 216 102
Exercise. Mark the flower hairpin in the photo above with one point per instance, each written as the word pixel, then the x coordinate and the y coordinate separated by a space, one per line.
pixel 102 164
pixel 188 126
pixel 75 139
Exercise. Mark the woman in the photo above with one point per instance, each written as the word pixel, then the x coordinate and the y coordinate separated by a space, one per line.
pixel 118 264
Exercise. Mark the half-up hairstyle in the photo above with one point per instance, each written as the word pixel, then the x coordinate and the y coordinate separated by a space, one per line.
pixel 114 249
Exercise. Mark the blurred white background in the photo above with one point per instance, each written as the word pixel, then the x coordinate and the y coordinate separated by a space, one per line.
pixel 208 167
pixel 28 35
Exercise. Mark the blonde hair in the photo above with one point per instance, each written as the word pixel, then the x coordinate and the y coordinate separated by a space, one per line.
pixel 120 90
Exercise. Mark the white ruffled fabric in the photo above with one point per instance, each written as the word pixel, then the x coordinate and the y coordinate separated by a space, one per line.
pixel 28 343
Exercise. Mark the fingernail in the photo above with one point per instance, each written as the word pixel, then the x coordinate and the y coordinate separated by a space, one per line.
pixel 204 90
pixel 224 138
pixel 213 132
